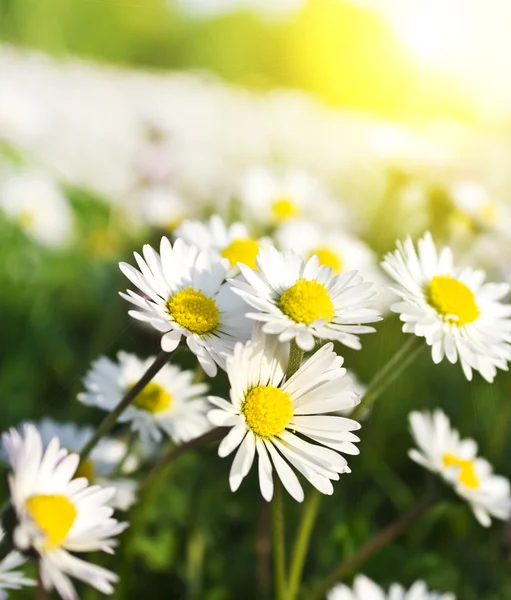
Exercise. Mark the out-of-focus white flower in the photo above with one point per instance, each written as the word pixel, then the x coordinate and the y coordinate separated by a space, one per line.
pixel 232 242
pixel 161 207
pixel 171 402
pixel 266 411
pixel 58 515
pixel 102 462
pixel 272 199
pixel 304 301
pixel 477 210
pixel 365 589
pixel 34 200
pixel 184 294
pixel 9 578
pixel 442 451
pixel 458 314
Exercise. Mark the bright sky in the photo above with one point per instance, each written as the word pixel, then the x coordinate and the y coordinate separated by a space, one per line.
pixel 468 39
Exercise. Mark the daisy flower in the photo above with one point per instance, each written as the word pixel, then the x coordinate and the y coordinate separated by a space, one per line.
pixel 304 300
pixel 270 197
pixel 58 515
pixel 365 589
pixel 338 250
pixel 170 403
pixel 103 461
pixel 184 294
pixel 442 451
pixel 9 578
pixel 34 200
pixel 459 315
pixel 272 415
pixel 232 242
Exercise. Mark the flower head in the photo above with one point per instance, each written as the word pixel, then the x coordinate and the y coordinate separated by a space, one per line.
pixel 232 242
pixel 459 315
pixel 272 415
pixel 442 451
pixel 184 294
pixel 103 461
pixel 365 589
pixel 58 515
pixel 304 301
pixel 170 403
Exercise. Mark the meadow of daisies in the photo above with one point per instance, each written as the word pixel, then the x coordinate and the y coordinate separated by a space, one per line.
pixel 251 346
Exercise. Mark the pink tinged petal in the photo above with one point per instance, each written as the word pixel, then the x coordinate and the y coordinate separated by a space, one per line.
pixel 242 462
pixel 265 471
pixel 285 473
pixel 232 440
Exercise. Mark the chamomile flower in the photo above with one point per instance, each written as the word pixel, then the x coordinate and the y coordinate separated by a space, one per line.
pixel 170 403
pixel 232 242
pixel 272 415
pixel 10 579
pixel 184 294
pixel 336 249
pixel 365 589
pixel 273 198
pixel 442 451
pixel 57 515
pixel 459 315
pixel 34 200
pixel 304 300
pixel 103 461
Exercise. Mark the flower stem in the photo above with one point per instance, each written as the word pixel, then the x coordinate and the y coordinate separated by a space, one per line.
pixel 279 557
pixel 176 451
pixel 295 359
pixel 110 420
pixel 394 367
pixel 309 514
pixel 381 539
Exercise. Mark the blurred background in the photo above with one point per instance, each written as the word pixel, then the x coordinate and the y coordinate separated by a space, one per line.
pixel 119 119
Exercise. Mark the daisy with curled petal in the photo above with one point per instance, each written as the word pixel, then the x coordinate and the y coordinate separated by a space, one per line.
pixel 170 403
pixel 304 301
pixel 365 589
pixel 459 315
pixel 271 416
pixel 103 461
pixel 232 242
pixel 442 451
pixel 184 294
pixel 9 578
pixel 58 515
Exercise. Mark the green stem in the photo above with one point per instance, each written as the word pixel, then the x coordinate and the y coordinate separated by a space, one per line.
pixel 380 540
pixel 295 359
pixel 111 419
pixel 279 557
pixel 301 546
pixel 394 367
pixel 161 464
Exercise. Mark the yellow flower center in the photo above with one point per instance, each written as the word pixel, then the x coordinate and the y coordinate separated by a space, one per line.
pixel 54 515
pixel 453 300
pixel 243 251
pixel 306 301
pixel 328 258
pixel 86 469
pixel 194 311
pixel 284 209
pixel 153 398
pixel 467 474
pixel 267 410
pixel 26 218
